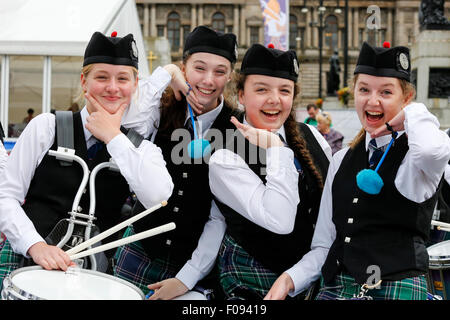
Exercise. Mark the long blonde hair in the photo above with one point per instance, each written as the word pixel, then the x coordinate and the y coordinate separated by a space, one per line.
pixel 409 92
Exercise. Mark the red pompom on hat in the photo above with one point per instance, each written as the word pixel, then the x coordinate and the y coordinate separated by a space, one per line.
pixel 114 34
pixel 386 44
pixel 270 46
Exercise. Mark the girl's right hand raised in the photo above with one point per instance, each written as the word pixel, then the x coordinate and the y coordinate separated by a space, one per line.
pixel 261 137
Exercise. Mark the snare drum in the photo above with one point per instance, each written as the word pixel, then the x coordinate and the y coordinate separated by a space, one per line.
pixel 439 269
pixel 35 283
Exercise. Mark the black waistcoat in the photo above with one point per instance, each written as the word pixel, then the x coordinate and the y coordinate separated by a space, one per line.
pixel 276 251
pixel 385 230
pixel 190 203
pixel 53 188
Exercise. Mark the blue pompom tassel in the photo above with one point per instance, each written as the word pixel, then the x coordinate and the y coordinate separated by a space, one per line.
pixel 199 148
pixel 369 181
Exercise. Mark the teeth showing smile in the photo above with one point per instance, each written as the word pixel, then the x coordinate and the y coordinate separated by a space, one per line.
pixel 271 112
pixel 375 114
pixel 205 91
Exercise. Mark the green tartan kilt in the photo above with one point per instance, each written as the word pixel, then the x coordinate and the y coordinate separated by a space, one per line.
pixel 9 261
pixel 132 264
pixel 345 287
pixel 241 276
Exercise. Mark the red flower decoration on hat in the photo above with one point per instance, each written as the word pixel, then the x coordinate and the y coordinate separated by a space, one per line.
pixel 386 45
pixel 114 34
pixel 270 46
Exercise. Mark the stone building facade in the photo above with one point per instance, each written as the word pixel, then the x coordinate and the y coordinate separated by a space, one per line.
pixel 396 21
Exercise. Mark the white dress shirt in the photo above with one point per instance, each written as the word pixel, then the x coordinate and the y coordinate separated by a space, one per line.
pixel 34 143
pixel 417 179
pixel 3 157
pixel 234 183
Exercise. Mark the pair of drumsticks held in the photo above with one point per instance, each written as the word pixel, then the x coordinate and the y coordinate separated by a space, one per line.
pixel 76 252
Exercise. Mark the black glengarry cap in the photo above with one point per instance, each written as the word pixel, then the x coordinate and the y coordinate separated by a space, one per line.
pixel 384 61
pixel 270 62
pixel 204 39
pixel 111 50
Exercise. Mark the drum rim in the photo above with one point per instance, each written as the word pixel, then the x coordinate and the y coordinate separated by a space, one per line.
pixel 30 296
pixel 438 259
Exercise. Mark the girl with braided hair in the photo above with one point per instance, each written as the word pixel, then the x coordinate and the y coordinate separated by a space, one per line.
pixel 268 179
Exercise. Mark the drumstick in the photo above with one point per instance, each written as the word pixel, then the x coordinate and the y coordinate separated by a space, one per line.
pixel 443 229
pixel 111 230
pixel 142 235
pixel 441 224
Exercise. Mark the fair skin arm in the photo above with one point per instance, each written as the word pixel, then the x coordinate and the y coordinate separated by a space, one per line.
pixel 397 123
pixel 280 288
pixel 260 137
pixel 49 257
pixel 167 289
pixel 180 87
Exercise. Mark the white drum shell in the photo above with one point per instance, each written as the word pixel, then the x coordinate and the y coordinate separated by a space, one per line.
pixel 35 283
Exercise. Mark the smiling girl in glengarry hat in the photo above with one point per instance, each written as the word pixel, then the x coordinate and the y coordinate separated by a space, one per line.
pixel 372 245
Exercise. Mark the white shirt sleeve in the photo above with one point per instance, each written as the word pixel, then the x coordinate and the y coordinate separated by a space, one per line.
pixel 3 157
pixel 204 256
pixel 308 269
pixel 144 169
pixel 143 113
pixel 273 205
pixel 28 152
pixel 428 155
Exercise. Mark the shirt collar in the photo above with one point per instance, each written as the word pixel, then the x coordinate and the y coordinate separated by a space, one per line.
pixel 84 114
pixel 381 141
pixel 206 119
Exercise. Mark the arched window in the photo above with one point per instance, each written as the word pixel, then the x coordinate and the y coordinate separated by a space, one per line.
pixel 331 32
pixel 293 31
pixel 173 30
pixel 218 22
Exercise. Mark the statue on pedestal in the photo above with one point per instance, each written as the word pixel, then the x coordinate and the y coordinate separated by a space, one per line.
pixel 333 75
pixel 431 15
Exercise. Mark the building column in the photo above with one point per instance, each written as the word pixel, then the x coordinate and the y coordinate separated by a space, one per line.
pixel 236 19
pixel 242 27
pixel 400 30
pixel 349 28
pixel 193 16
pixel 200 14
pixel 146 20
pixel 153 32
pixel 307 40
pixel 356 28
pixel 389 27
pixel 316 30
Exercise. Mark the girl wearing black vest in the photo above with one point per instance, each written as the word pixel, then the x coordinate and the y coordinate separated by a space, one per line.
pixel 37 191
pixel 166 261
pixel 361 238
pixel 268 181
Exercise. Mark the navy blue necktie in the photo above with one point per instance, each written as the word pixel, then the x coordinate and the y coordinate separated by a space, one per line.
pixel 92 151
pixel 189 127
pixel 376 155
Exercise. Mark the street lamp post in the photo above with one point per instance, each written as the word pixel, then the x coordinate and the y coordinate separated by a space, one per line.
pixel 321 12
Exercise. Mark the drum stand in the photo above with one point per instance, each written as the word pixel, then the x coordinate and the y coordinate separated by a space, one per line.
pixel 76 217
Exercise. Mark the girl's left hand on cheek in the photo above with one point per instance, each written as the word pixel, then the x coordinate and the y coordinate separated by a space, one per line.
pixel 397 124
pixel 102 124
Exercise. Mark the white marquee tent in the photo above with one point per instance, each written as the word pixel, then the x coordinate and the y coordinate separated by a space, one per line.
pixel 42 41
